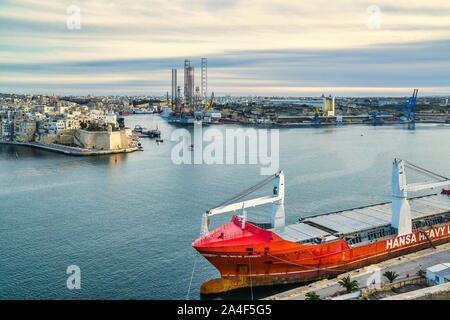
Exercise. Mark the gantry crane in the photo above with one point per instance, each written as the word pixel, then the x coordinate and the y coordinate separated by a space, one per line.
pixel 409 108
pixel 317 113
pixel 209 103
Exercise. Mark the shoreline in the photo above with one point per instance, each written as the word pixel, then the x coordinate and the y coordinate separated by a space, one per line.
pixel 72 151
pixel 308 124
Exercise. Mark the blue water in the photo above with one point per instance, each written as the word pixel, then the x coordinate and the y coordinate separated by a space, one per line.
pixel 129 224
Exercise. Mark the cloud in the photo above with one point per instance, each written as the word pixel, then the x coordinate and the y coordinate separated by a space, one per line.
pixel 273 44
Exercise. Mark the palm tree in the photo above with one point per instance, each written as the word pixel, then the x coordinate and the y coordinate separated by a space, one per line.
pixel 312 296
pixel 390 275
pixel 348 283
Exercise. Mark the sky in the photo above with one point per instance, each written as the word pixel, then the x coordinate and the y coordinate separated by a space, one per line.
pixel 254 47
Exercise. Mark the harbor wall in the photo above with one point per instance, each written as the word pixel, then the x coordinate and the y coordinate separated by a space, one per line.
pixel 439 292
pixel 65 137
pixel 389 286
pixel 107 140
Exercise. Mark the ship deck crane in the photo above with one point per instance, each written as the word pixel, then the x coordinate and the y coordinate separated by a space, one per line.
pixel 277 198
pixel 401 211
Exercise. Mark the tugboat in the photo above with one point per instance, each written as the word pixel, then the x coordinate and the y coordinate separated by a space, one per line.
pixel 259 254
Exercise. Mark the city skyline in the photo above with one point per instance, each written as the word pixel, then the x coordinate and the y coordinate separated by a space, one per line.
pixel 266 48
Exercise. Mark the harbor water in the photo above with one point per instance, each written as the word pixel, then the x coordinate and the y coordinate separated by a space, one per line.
pixel 128 220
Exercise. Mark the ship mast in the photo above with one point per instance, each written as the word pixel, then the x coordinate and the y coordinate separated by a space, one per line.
pixel 401 211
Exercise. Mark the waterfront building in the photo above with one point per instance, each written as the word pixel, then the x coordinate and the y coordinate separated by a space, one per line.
pixel 5 129
pixel 438 274
pixel 25 130
pixel 54 126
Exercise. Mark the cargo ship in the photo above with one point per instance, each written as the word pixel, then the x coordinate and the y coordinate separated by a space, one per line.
pixel 323 246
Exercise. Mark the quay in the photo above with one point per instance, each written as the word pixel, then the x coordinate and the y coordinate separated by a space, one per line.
pixel 406 266
pixel 73 151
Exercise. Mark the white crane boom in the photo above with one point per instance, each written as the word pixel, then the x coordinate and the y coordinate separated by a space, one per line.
pixel 277 198
pixel 242 205
pixel 422 186
pixel 401 211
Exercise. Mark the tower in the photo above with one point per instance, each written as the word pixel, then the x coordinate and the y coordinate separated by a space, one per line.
pixel 204 82
pixel 188 84
pixel 174 88
pixel 401 211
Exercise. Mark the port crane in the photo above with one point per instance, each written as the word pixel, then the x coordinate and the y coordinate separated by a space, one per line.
pixel 374 115
pixel 317 113
pixel 209 103
pixel 401 211
pixel 277 198
pixel 409 108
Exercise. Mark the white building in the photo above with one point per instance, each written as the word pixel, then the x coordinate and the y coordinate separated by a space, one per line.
pixel 55 125
pixel 96 114
pixel 214 114
pixel 438 274
pixel 4 128
pixel 110 118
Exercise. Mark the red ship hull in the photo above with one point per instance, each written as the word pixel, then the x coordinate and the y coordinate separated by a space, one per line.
pixel 258 257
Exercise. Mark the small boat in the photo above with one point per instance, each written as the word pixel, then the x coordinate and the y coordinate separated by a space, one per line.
pixel 155 133
pixel 159 140
pixel 152 133
pixel 191 147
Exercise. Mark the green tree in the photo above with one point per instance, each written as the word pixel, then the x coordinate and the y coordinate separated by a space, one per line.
pixel 312 296
pixel 421 273
pixel 391 275
pixel 348 283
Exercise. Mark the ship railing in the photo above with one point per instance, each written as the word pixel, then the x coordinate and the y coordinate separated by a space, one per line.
pixel 367 241
pixel 261 225
pixel 207 238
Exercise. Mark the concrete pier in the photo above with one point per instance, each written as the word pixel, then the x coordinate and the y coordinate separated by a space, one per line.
pixel 73 151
